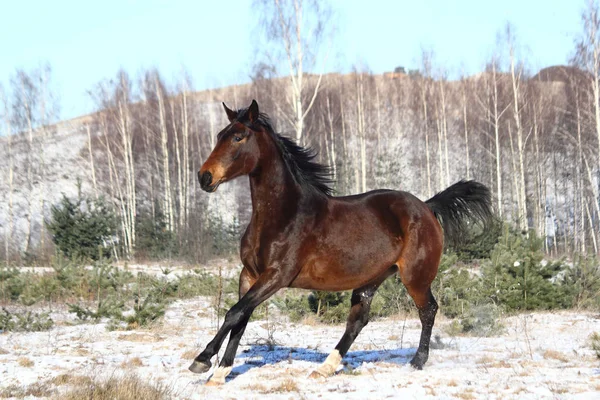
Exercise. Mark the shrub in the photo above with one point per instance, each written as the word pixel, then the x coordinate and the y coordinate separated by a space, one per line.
pixel 595 343
pixel 81 228
pixel 456 288
pixel 296 307
pixel 517 277
pixel 391 298
pixel 145 311
pixel 224 237
pixel 583 280
pixel 25 321
pixel 480 241
pixel 106 308
pixel 12 283
pixel 482 320
pixel 153 239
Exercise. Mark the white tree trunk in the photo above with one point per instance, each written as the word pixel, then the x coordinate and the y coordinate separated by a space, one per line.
pixel 516 80
pixel 92 167
pixel 167 200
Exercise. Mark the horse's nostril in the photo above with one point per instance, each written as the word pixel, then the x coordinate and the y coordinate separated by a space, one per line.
pixel 205 179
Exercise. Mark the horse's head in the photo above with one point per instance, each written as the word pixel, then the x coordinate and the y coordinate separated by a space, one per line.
pixel 236 152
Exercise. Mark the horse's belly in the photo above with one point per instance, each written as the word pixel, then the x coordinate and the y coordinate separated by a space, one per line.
pixel 345 270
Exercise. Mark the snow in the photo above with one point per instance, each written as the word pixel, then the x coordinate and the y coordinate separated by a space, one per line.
pixel 539 355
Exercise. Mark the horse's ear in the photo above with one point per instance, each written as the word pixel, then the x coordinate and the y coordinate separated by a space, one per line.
pixel 231 115
pixel 252 112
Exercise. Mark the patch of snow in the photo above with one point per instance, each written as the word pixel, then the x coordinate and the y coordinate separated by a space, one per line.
pixel 540 355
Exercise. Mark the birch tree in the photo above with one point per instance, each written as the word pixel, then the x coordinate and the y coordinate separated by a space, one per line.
pixel 164 146
pixel 587 56
pixel 295 31
pixel 25 118
pixel 116 122
pixel 7 132
pixel 516 72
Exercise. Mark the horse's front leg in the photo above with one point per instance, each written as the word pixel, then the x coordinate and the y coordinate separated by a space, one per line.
pixel 218 378
pixel 269 282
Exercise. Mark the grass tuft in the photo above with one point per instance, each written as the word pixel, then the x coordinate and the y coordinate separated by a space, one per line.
pixel 556 355
pixel 128 387
pixel 25 362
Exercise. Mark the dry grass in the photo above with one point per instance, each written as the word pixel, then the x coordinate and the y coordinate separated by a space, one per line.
pixel 466 394
pixel 515 355
pixel 257 388
pixel 25 362
pixel 452 383
pixel 485 359
pixel 81 351
pixel 519 389
pixel 129 387
pixel 3 351
pixel 310 320
pixel 288 385
pixel 189 354
pixel 558 389
pixel 38 389
pixel 139 337
pixel 556 355
pixel 132 363
pixel 430 390
pixel 68 379
pixel 499 364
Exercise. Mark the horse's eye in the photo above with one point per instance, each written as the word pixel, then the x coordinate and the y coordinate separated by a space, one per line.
pixel 237 138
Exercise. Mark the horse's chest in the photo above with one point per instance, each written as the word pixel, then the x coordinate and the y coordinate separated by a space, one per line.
pixel 260 250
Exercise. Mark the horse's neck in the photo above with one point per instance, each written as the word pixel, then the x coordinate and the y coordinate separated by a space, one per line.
pixel 275 192
pixel 273 189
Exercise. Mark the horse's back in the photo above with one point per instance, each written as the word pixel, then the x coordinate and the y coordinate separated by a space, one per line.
pixel 395 208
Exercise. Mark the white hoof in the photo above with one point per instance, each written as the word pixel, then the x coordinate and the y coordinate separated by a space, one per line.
pixel 329 365
pixel 218 377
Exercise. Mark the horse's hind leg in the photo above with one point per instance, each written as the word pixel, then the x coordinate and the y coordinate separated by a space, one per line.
pixel 427 307
pixel 418 268
pixel 357 319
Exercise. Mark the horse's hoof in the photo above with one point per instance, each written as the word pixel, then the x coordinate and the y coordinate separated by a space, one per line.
pixel 315 375
pixel 199 367
pixel 416 364
pixel 210 382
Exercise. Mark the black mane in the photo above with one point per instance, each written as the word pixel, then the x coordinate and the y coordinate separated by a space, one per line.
pixel 308 173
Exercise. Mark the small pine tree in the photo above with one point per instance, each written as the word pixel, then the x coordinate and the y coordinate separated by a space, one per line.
pixel 517 277
pixel 80 228
pixel 583 282
pixel 154 240
pixel 480 241
pixel 457 290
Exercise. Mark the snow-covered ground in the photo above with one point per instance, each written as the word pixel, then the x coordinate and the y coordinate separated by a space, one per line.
pixel 540 355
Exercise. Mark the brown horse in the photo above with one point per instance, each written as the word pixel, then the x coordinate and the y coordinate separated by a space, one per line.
pixel 300 236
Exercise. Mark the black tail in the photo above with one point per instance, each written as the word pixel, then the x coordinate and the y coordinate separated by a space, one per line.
pixel 460 204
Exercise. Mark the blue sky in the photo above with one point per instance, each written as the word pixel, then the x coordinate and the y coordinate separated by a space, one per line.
pixel 216 40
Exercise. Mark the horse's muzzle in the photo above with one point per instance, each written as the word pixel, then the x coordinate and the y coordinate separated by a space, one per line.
pixel 205 180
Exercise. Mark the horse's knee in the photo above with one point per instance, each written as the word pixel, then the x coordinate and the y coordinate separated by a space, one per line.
pixel 237 314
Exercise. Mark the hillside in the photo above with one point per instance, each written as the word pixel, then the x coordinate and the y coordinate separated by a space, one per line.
pixel 395 131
